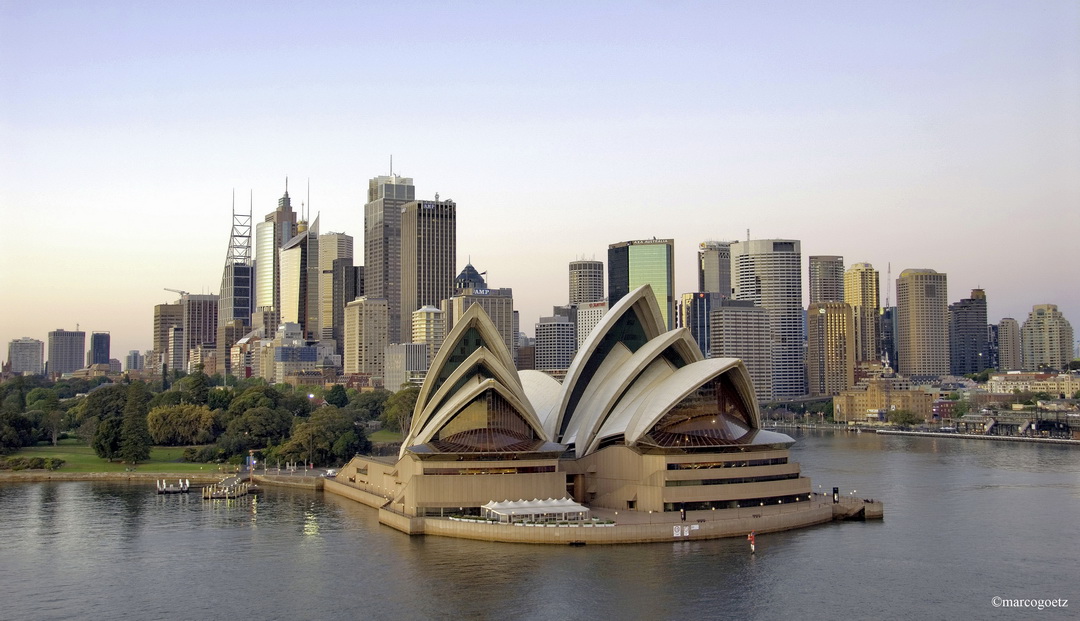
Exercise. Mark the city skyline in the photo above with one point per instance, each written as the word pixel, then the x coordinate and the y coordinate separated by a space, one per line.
pixel 922 136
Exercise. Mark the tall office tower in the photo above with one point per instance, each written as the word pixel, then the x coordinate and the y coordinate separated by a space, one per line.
pixel 134 361
pixel 428 257
pixel 1010 353
pixel 406 364
pixel 694 309
pixel 830 348
pixel 99 348
pixel 739 329
pixel 714 267
pixel 968 349
pixel 1047 339
pixel 27 356
pixel 333 247
pixel 588 316
pixel 367 333
pixel 768 272
pixel 348 284
pixel 887 330
pixel 271 234
pixel 826 278
pixel 644 262
pixel 922 323
pixel 862 294
pixel 429 327
pixel 236 299
pixel 497 303
pixel 200 324
pixel 166 317
pixel 66 351
pixel 300 280
pixel 227 336
pixel 382 243
pixel 586 281
pixel 556 342
pixel 177 351
pixel 992 346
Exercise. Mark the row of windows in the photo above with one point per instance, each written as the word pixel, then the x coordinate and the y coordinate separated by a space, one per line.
pixel 709 465
pixel 760 479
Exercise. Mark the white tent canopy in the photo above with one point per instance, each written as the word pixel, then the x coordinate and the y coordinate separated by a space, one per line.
pixel 536 510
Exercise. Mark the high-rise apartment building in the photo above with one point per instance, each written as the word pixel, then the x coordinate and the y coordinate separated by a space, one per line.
pixel 586 281
pixel 134 361
pixel 199 325
pixel 382 243
pixel 428 257
pixel 27 356
pixel 367 329
pixel 694 309
pixel 271 234
pixel 348 284
pixel 768 272
pixel 586 318
pixel 826 278
pixel 99 348
pixel 66 351
pixel 922 323
pixel 830 348
pixel 333 247
pixel 1047 339
pixel 299 287
pixel 1010 353
pixel 969 351
pixel 714 267
pixel 739 329
pixel 406 364
pixel 555 345
pixel 429 327
pixel 166 317
pixel 644 262
pixel 861 292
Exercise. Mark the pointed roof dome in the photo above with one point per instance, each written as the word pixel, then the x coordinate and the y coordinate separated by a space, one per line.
pixel 469 278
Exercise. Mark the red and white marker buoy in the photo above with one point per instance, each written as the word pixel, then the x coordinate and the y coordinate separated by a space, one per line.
pixel 751 538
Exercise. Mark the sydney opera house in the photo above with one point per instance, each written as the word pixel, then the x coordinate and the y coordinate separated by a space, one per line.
pixel 642 425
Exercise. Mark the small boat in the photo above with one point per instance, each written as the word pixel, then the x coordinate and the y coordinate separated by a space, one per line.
pixel 181 487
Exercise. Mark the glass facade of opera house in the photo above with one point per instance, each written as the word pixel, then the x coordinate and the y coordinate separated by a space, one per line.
pixel 641 422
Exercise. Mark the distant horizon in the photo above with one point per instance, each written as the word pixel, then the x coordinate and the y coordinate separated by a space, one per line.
pixel 925 135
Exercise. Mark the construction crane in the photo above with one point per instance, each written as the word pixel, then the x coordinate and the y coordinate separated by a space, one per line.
pixel 182 293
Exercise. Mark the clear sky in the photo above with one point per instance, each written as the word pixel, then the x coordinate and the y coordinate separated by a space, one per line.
pixel 941 135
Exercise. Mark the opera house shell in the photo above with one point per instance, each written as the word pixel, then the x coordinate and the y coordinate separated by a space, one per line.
pixel 642 422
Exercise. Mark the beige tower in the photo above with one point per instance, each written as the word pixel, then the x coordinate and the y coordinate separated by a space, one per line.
pixel 332 246
pixel 429 327
pixel 367 329
pixel 830 348
pixel 428 256
pixel 862 294
pixel 922 323
pixel 1010 354
pixel 1047 338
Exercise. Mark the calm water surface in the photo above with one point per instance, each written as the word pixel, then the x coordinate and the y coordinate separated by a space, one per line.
pixel 965 521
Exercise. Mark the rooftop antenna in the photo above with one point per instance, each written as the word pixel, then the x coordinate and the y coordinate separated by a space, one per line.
pixel 391 164
pixel 286 185
pixel 747 235
pixel 308 214
pixel 888 281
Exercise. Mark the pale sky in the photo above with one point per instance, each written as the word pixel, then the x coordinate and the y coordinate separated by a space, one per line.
pixel 941 135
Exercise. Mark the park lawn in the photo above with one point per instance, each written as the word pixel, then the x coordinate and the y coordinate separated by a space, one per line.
pixel 81 458
pixel 386 435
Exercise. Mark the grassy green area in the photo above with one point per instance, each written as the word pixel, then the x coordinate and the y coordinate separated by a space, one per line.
pixel 81 458
pixel 385 435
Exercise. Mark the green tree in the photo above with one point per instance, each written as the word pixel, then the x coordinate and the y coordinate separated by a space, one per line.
pixel 105 405
pixel 196 387
pixel 369 404
pixel 176 425
pixel 336 396
pixel 134 434
pixel 904 418
pixel 327 436
pixel 399 409
pixel 219 398
pixel 106 442
pixel 254 397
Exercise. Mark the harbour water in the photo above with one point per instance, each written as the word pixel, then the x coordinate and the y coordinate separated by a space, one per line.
pixel 965 522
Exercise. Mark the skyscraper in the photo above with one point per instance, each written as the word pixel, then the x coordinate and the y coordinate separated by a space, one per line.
pixel 236 299
pixel 586 281
pixel 830 348
pixel 382 243
pixel 922 323
pixel 66 351
pixel 768 272
pixel 270 235
pixel 428 257
pixel 968 349
pixel 199 314
pixel 861 292
pixel 299 259
pixel 1047 339
pixel 429 327
pixel 27 356
pixel 714 267
pixel 166 317
pixel 694 310
pixel 497 303
pixel 366 336
pixel 348 284
pixel 649 261
pixel 99 348
pixel 1010 353
pixel 826 278
pixel 333 247
pixel 555 345
pixel 739 329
